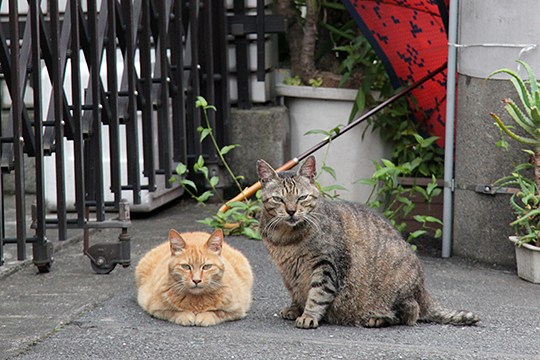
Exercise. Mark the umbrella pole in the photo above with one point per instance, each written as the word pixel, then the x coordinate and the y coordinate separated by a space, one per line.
pixel 248 192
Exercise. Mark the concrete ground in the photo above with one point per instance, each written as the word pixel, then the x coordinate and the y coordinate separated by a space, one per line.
pixel 73 313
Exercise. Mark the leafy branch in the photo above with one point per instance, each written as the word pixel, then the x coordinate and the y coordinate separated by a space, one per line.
pixel 240 218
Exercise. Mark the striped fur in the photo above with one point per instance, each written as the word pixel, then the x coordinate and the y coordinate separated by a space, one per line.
pixel 341 262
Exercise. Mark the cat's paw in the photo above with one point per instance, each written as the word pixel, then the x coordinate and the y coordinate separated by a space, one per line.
pixel 376 322
pixel 186 318
pixel 290 313
pixel 307 321
pixel 207 319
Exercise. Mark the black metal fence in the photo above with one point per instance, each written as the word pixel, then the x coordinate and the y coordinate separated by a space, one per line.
pixel 113 87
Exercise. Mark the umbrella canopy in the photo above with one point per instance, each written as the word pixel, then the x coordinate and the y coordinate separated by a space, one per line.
pixel 410 38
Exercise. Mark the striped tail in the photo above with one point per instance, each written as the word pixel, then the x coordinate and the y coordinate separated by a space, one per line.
pixel 434 312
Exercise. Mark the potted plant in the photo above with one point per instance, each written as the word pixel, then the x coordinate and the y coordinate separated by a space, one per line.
pixel 525 201
pixel 333 74
pixel 406 188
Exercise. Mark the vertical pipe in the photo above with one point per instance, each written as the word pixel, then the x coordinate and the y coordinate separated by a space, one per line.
pixel 163 109
pixel 449 131
pixel 132 121
pixel 149 167
pixel 209 71
pixel 38 125
pixel 95 60
pixel 112 89
pixel 2 224
pixel 178 96
pixel 195 89
pixel 16 108
pixel 78 143
pixel 57 86
pixel 221 76
pixel 241 45
pixel 261 67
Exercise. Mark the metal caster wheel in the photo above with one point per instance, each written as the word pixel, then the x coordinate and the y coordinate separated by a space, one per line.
pixel 103 268
pixel 44 269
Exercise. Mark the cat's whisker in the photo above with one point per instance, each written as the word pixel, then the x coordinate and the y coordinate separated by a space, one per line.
pixel 312 221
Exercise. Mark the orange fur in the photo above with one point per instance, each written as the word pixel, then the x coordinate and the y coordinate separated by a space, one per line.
pixel 194 279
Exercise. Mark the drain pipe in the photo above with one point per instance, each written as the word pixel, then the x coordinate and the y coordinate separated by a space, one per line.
pixel 449 130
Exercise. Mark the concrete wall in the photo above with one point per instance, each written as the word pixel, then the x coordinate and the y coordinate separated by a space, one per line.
pixel 262 133
pixel 481 222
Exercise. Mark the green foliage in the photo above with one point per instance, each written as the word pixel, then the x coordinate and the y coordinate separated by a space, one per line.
pixel 316 82
pixel 240 218
pixel 526 116
pixel 525 203
pixel 409 146
pixel 330 191
pixel 393 199
pixel 293 80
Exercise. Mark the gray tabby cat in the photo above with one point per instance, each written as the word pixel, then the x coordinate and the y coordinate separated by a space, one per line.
pixel 341 262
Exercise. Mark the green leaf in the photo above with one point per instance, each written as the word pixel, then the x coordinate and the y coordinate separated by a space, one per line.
pixel 520 118
pixel 518 84
pixel 429 141
pixel 370 182
pixel 200 161
pixel 432 219
pixel 532 77
pixel 214 180
pixel 237 205
pixel 360 101
pixel 201 102
pixel 329 170
pixel 204 133
pixel 224 150
pixel 181 169
pixel 205 196
pixel 188 183
pixel 438 233
pixel 387 163
pixel 318 132
pixel 382 172
pixel 251 233
pixel 521 139
pixel 432 185
pixel 416 234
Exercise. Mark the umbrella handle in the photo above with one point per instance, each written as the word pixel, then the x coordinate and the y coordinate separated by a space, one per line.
pixel 250 191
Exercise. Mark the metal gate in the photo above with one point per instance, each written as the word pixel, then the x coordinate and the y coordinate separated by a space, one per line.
pixel 102 97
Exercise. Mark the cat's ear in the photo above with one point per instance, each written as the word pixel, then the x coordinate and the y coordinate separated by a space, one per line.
pixel 215 242
pixel 176 242
pixel 265 171
pixel 308 168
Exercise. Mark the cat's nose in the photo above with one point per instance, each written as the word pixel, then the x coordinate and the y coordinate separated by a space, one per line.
pixel 291 212
pixel 196 281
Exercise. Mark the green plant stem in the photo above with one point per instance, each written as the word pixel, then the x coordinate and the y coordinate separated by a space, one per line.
pixel 214 141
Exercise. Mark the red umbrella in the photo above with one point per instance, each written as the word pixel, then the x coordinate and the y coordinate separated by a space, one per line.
pixel 410 38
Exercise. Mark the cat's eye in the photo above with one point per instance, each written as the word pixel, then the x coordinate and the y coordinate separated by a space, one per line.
pixel 207 266
pixel 302 198
pixel 277 199
pixel 186 266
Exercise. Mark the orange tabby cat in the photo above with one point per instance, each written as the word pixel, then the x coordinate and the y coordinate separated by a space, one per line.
pixel 195 279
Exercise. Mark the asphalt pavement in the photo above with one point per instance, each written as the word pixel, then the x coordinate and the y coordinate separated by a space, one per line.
pixel 73 313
